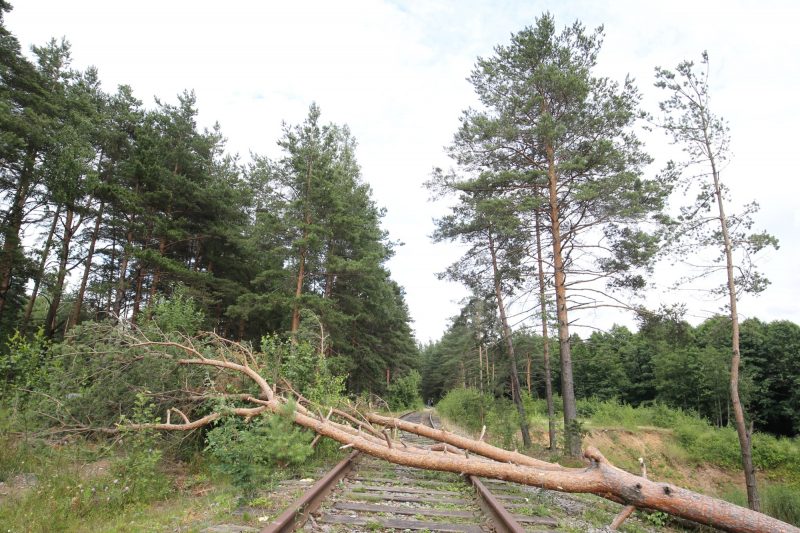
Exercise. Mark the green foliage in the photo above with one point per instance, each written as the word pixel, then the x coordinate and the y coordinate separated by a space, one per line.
pixel 466 406
pixel 137 470
pixel 252 452
pixel 21 366
pixel 302 365
pixel 178 313
pixel 472 410
pixel 657 518
pixel 404 392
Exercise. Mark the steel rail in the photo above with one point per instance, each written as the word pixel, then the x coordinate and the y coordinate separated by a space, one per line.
pixel 296 514
pixel 504 522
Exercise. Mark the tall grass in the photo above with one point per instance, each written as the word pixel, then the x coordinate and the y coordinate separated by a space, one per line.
pixel 777 499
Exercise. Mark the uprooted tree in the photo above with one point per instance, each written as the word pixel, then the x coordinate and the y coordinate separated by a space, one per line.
pixel 241 368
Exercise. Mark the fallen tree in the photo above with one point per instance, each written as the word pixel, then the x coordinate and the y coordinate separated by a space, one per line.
pixel 455 453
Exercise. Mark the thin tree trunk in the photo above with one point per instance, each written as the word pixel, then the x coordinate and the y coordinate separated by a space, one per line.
pixel 303 251
pixel 523 418
pixel 548 382
pixel 571 433
pixel 745 443
pixel 137 294
pixel 162 249
pixel 112 260
pixel 122 284
pixel 298 291
pixel 480 368
pixel 528 372
pixel 37 280
pixel 75 316
pixel 58 290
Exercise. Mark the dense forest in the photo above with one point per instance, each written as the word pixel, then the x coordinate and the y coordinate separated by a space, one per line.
pixel 666 361
pixel 109 206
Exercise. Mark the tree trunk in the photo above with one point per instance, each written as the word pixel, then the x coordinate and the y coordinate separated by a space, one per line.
pixel 548 382
pixel 75 316
pixel 11 241
pixel 122 284
pixel 303 252
pixel 498 292
pixel 162 249
pixel 745 443
pixel 137 294
pixel 480 368
pixel 37 280
pixel 58 290
pixel 298 291
pixel 571 433
pixel 599 477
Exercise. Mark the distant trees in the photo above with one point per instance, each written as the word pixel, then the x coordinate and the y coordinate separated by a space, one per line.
pixel 667 361
pixel 107 207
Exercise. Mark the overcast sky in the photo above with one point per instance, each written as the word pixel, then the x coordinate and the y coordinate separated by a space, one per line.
pixel 395 72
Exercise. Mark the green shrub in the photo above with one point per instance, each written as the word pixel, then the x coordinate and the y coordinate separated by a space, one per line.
pixel 502 422
pixel 468 407
pixel 250 452
pixel 178 313
pixel 138 470
pixel 404 392
pixel 21 368
pixel 304 367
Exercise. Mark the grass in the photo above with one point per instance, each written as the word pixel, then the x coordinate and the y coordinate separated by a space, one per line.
pixel 777 499
pixel 688 442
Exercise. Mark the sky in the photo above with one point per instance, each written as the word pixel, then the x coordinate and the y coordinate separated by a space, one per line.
pixel 395 72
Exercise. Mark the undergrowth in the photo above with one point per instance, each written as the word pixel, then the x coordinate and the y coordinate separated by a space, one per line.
pixel 691 439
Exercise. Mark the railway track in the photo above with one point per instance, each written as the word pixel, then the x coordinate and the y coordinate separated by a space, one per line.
pixel 363 493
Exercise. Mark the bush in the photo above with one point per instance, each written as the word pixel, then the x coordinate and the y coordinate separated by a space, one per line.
pixel 472 410
pixel 466 406
pixel 250 452
pixel 404 392
pixel 138 469
pixel 304 367
pixel 22 366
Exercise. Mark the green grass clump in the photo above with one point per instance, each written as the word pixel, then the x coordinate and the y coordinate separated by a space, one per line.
pixel 779 500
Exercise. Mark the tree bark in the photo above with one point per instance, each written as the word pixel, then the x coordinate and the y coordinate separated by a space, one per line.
pixel 37 281
pixel 122 284
pixel 303 251
pixel 600 477
pixel 572 436
pixel 11 241
pixel 515 394
pixel 548 381
pixel 75 316
pixel 58 290
pixel 753 500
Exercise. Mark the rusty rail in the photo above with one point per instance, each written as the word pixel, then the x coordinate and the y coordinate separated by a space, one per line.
pixel 504 522
pixel 297 514
pixel 294 517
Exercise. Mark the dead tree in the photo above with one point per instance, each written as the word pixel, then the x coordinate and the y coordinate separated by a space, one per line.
pixel 475 457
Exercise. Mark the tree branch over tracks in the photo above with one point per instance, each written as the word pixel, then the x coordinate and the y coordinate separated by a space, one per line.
pixel 476 458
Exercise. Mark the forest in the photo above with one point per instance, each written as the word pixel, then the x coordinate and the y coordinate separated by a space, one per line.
pixel 125 225
pixel 109 207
